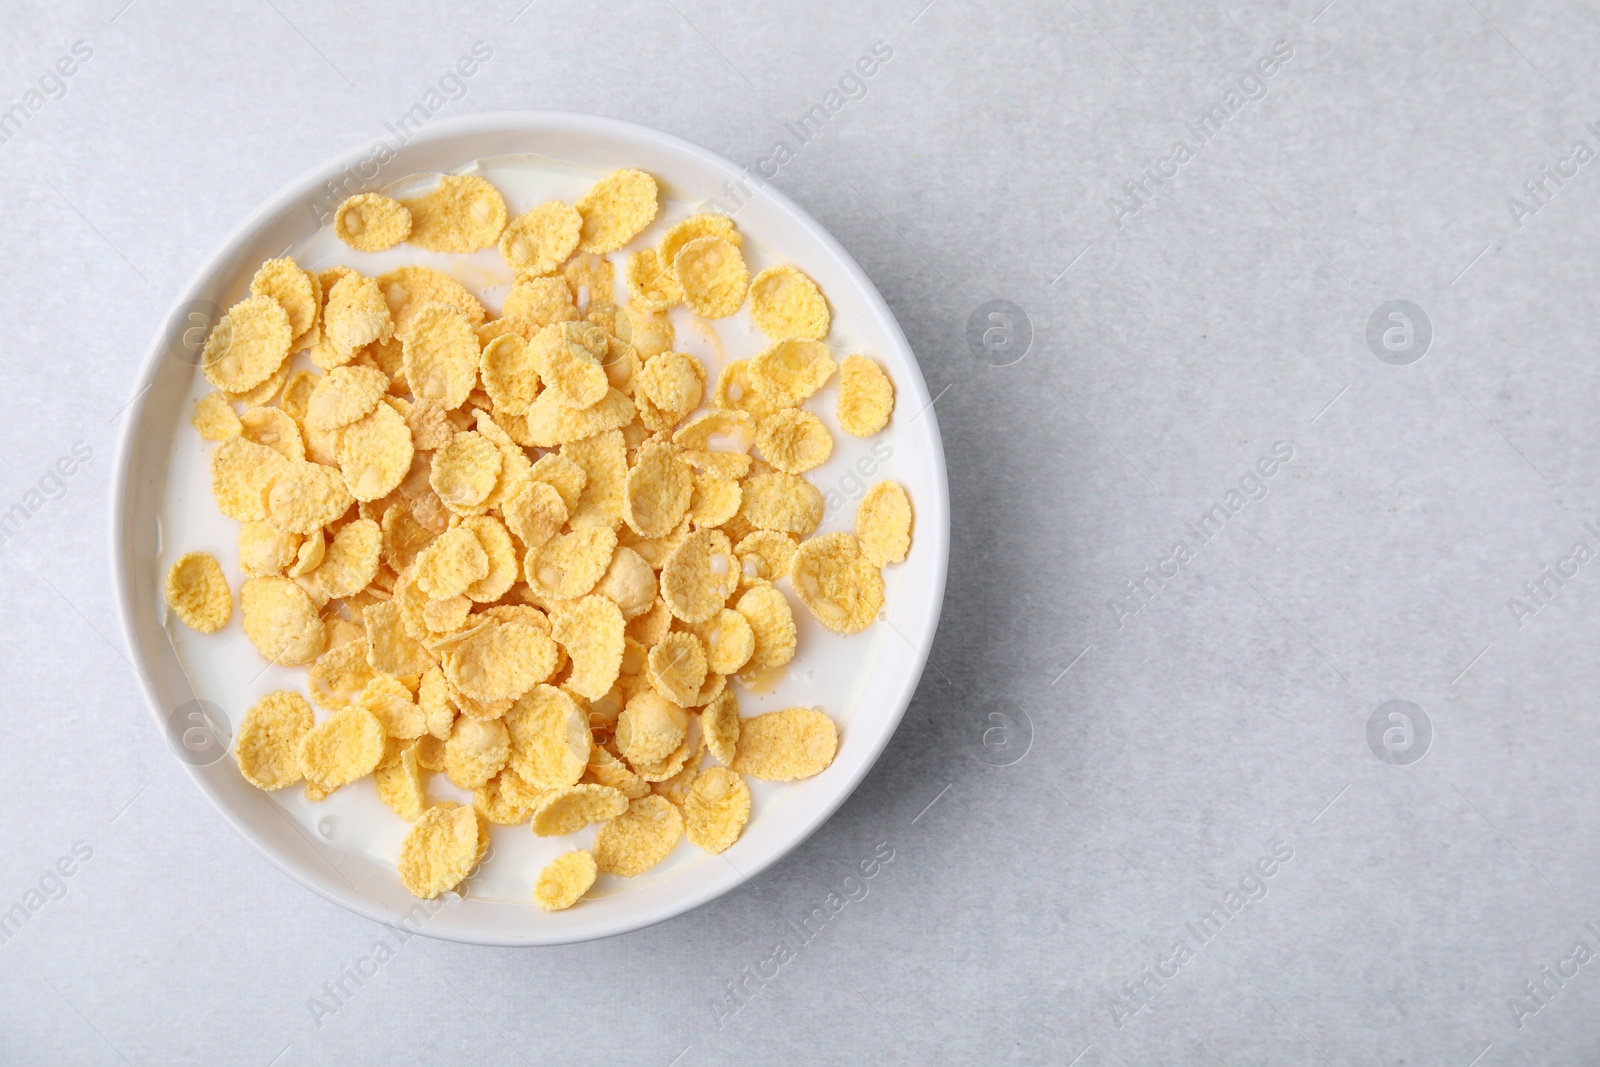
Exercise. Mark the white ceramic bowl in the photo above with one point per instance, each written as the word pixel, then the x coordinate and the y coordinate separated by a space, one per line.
pixel 147 462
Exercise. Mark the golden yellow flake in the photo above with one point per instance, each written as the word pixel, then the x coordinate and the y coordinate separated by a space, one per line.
pixel 615 210
pixel 268 748
pixel 883 524
pixel 564 880
pixel 440 849
pixel 786 304
pixel 638 839
pixel 371 222
pixel 866 397
pixel 782 746
pixel 197 592
pixel 541 240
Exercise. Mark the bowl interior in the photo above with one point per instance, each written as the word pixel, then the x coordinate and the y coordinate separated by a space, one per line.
pixel 198 707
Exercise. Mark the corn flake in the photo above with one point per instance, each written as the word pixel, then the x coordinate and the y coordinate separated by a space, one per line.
pixel 440 849
pixel 652 626
pixel 550 421
pixel 355 316
pixel 433 697
pixel 568 565
pixel 590 279
pixel 305 497
pixel 794 441
pixel 564 880
pixel 841 587
pixel 446 616
pixel 771 621
pixel 350 562
pixel 541 240
pixel 430 425
pixel 389 701
pixel 650 728
pixel 322 446
pixel 605 768
pixel 676 788
pixel 604 462
pixel 501 661
pixel 297 392
pixel 787 372
pixel 713 276
pixel 374 453
pixel 344 395
pixel 462 214
pixel 883 524
pixel 719 726
pixel 340 675
pixel 658 491
pixel 686 230
pixel 629 582
pixel 390 649
pixel 509 375
pixel 651 281
pixel 730 641
pixel 535 514
pixel 281 621
pixel 274 429
pixel 782 502
pixel 666 769
pixel 214 418
pixel 516 791
pixel 265 550
pixel 248 345
pixel 308 557
pixel 782 746
pixel 430 751
pixel 198 592
pixel 677 666
pixel 403 536
pixel 615 210
pixel 550 738
pixel 475 751
pixel 638 839
pixel 737 390
pixel 451 563
pixel 295 291
pixel 262 394
pixel 268 749
pixel 441 355
pixel 569 357
pixel 649 333
pixel 765 555
pixel 699 575
pixel 866 397
pixel 716 809
pixel 407 290
pixel 495 805
pixel 591 631
pixel 786 304
pixel 465 471
pixel 345 746
pixel 536 303
pixel 371 222
pixel 401 784
pixel 503 570
pixel 570 808
pixel 715 500
pixel 673 382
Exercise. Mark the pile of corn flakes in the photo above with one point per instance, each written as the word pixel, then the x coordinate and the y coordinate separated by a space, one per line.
pixel 529 551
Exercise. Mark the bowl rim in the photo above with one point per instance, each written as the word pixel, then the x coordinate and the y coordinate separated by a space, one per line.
pixel 933 523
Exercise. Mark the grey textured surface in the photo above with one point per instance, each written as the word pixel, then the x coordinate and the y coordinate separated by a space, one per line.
pixel 1169 750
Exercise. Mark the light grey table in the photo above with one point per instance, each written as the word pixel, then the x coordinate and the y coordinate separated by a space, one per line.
pixel 1151 803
